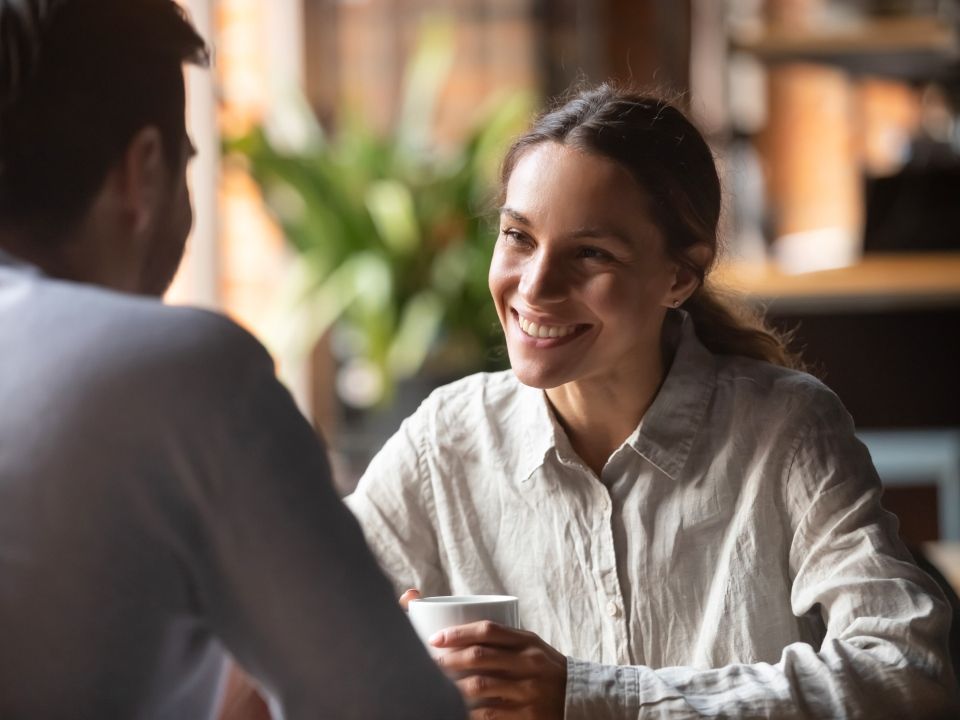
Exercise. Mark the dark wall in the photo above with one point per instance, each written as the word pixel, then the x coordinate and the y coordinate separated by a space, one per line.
pixel 891 369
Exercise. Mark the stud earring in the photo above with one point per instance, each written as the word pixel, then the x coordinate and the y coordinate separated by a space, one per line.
pixel 676 303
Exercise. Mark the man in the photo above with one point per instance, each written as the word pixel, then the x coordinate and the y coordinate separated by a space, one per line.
pixel 162 502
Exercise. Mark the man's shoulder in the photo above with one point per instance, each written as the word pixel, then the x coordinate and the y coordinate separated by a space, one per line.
pixel 99 332
pixel 137 319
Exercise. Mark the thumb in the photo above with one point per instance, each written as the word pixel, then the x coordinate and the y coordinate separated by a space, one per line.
pixel 411 594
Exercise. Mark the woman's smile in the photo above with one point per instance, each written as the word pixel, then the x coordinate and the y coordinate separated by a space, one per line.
pixel 579 274
pixel 546 334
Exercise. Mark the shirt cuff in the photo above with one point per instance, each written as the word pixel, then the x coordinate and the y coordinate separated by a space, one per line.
pixel 612 692
pixel 599 692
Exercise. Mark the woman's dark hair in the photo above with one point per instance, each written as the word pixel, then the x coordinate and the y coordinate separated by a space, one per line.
pixel 672 163
pixel 78 79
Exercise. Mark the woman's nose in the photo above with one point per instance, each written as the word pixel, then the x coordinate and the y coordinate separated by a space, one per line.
pixel 542 281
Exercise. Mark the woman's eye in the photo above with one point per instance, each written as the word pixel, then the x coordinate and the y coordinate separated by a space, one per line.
pixel 592 253
pixel 514 236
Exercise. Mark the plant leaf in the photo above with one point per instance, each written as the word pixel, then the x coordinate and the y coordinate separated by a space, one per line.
pixel 391 207
pixel 419 325
pixel 427 71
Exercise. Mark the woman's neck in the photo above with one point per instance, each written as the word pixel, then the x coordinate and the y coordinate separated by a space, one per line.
pixel 599 414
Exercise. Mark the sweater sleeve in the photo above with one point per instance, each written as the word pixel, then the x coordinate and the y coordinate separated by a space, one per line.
pixel 283 573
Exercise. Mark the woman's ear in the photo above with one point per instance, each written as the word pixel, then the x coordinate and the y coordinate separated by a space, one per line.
pixel 685 280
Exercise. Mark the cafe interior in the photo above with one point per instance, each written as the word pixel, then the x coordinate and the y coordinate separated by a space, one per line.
pixel 835 124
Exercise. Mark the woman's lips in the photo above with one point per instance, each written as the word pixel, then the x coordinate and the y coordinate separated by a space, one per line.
pixel 547 335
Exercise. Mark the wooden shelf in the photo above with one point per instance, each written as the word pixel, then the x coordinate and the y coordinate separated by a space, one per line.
pixel 906 47
pixel 877 282
pixel 913 34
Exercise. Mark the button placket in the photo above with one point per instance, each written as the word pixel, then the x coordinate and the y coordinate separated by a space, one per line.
pixel 614 607
pixel 611 599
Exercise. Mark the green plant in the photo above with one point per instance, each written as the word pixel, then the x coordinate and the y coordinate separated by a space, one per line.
pixel 391 233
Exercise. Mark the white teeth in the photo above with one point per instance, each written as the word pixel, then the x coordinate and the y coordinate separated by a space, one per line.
pixel 545 331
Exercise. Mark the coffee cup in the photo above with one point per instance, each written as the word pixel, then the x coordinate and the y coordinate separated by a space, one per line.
pixel 432 614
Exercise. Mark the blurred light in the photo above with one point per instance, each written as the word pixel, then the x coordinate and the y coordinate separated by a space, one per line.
pixel 360 384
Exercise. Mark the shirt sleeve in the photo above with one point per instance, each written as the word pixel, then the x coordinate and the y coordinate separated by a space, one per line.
pixel 394 502
pixel 285 578
pixel 884 653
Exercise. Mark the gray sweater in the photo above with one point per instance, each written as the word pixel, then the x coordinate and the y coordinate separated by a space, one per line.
pixel 163 503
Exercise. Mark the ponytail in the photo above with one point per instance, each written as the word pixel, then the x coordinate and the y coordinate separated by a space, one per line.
pixel 728 326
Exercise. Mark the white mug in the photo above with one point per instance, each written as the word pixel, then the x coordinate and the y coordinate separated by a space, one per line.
pixel 432 614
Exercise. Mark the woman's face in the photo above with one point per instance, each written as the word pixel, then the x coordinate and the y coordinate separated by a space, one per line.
pixel 580 276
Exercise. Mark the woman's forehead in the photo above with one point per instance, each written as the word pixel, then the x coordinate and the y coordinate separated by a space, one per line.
pixel 562 184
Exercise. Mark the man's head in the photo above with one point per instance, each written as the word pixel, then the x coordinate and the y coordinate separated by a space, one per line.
pixel 93 146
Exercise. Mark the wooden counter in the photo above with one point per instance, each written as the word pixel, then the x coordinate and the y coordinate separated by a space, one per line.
pixel 946 556
pixel 877 282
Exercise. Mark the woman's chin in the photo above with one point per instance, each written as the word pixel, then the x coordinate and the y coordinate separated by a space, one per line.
pixel 540 378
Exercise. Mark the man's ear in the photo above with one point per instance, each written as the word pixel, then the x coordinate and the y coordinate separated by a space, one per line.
pixel 685 281
pixel 141 177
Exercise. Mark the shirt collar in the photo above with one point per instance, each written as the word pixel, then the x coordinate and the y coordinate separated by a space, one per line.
pixel 667 430
pixel 540 429
pixel 670 425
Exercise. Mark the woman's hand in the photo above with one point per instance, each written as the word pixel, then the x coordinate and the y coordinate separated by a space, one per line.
pixel 411 594
pixel 504 674
pixel 241 698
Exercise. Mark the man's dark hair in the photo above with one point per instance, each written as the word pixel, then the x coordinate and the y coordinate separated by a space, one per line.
pixel 78 79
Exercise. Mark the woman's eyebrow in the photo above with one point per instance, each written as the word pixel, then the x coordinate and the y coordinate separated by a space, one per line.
pixel 580 233
pixel 515 215
pixel 601 232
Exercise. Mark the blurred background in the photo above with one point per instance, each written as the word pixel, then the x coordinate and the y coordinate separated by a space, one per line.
pixel 349 148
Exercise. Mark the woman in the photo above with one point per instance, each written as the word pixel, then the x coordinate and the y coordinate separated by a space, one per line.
pixel 691 527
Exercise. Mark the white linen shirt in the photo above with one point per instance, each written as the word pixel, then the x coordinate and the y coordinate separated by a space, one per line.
pixel 732 559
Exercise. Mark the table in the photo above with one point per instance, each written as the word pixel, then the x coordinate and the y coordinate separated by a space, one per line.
pixel 946 556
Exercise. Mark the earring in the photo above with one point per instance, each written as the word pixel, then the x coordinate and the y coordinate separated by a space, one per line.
pixel 676 303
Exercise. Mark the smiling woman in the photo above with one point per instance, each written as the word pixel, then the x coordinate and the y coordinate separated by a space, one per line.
pixel 689 523
pixel 581 278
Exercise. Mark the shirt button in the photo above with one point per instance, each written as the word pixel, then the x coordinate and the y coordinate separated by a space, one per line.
pixel 613 610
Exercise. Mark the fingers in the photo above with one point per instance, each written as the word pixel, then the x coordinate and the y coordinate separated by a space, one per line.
pixel 504 674
pixel 485 632
pixel 486 687
pixel 500 713
pixel 505 663
pixel 411 594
